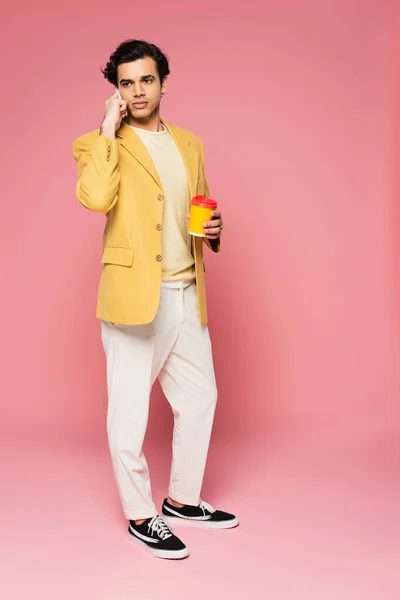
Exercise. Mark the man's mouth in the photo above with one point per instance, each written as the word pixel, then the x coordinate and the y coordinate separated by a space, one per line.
pixel 139 104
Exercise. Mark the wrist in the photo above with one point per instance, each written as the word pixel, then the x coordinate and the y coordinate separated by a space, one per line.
pixel 107 129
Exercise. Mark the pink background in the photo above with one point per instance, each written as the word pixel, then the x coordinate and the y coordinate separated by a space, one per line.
pixel 295 103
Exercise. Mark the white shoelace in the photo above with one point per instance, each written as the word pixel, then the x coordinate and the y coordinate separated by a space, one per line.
pixel 205 506
pixel 158 525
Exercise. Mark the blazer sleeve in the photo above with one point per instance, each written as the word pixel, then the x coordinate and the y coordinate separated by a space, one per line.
pixel 98 172
pixel 214 245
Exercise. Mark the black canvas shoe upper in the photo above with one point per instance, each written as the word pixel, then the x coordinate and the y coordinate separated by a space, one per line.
pixel 204 512
pixel 156 534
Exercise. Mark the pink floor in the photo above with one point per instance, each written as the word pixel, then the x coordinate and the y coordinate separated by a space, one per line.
pixel 311 529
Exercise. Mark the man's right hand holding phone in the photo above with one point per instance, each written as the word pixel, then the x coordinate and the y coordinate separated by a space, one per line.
pixel 114 111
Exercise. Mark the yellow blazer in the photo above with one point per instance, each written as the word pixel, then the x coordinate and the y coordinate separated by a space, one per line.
pixel 118 177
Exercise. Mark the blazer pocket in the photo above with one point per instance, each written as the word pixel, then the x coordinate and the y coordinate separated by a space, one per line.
pixel 113 255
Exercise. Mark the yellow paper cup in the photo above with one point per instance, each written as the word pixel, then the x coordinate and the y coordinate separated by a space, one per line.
pixel 200 212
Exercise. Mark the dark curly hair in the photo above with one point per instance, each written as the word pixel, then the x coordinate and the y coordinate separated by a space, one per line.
pixel 131 50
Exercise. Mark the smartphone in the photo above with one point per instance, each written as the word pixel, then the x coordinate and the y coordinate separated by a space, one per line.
pixel 119 94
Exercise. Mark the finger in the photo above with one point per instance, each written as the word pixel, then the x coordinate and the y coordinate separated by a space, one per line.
pixel 209 224
pixel 214 232
pixel 216 214
pixel 188 217
pixel 212 237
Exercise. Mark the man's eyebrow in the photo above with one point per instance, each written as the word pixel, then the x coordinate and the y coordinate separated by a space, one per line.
pixel 143 77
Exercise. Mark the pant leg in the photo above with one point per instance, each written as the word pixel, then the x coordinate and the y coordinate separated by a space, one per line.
pixel 135 355
pixel 188 381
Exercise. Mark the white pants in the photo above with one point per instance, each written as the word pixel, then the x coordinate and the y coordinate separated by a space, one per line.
pixel 177 350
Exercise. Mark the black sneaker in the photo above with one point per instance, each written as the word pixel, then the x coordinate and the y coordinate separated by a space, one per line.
pixel 203 515
pixel 157 538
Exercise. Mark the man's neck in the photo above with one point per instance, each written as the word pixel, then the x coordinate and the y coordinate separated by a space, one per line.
pixel 151 124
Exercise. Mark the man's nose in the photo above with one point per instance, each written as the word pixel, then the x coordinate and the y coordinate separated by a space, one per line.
pixel 138 91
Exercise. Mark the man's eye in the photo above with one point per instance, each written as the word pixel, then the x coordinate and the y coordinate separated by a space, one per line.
pixel 147 80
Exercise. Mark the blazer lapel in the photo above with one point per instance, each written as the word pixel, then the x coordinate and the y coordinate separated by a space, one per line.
pixel 134 145
pixel 189 155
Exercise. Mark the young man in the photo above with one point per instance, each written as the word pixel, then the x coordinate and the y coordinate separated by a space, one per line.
pixel 142 173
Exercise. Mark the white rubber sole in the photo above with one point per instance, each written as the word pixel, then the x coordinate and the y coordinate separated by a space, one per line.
pixel 172 521
pixel 169 554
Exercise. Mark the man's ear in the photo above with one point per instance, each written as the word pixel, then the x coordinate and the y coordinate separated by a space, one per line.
pixel 164 85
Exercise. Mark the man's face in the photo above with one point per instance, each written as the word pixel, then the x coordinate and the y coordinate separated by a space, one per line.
pixel 140 87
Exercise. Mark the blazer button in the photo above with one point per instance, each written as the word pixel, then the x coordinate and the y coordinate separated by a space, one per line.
pixel 160 197
pixel 158 227
pixel 158 258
